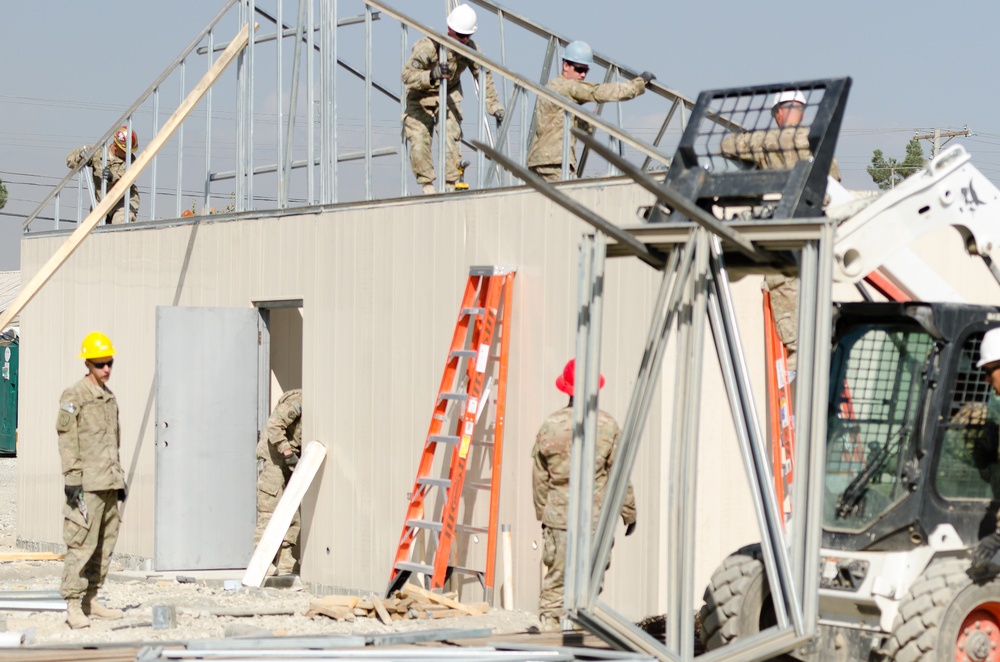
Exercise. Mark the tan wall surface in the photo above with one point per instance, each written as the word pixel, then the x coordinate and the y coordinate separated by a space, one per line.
pixel 380 286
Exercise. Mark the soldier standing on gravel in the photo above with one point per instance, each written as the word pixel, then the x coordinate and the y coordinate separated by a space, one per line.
pixel 550 481
pixel 94 483
pixel 277 454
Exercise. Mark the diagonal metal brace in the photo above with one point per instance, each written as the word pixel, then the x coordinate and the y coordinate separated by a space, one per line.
pixel 672 198
pixel 625 239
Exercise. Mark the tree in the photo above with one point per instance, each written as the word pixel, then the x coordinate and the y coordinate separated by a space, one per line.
pixel 887 172
pixel 3 194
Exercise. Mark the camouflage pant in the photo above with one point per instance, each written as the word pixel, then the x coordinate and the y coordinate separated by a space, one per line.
pixel 785 308
pixel 117 214
pixel 551 173
pixel 419 124
pixel 550 599
pixel 272 477
pixel 89 543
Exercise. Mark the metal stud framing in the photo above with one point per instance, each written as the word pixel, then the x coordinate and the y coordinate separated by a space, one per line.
pixel 248 153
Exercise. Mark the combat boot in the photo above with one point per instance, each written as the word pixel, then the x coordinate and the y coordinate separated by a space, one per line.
pixel 91 607
pixel 75 617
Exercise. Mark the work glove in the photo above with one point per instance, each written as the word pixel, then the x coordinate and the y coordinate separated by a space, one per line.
pixel 647 76
pixel 106 174
pixel 73 493
pixel 291 460
pixel 123 493
pixel 440 70
pixel 985 550
pixel 629 529
pixel 499 115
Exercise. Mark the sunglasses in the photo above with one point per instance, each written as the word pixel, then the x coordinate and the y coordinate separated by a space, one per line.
pixel 580 68
pixel 102 364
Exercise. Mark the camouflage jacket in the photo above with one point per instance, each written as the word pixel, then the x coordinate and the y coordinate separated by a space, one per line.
pixel 115 164
pixel 89 437
pixel 284 427
pixel 421 91
pixel 547 145
pixel 550 476
pixel 772 149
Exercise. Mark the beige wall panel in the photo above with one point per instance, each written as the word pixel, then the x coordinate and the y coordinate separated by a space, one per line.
pixel 380 285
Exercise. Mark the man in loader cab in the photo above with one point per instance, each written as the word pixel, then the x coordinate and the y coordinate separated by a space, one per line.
pixel 984 555
pixel 108 173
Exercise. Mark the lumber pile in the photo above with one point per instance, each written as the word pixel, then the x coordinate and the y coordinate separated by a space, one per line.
pixel 411 602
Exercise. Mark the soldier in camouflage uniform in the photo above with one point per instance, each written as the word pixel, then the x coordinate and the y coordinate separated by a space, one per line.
pixel 986 554
pixel 277 454
pixel 93 480
pixel 422 75
pixel 550 482
pixel 545 156
pixel 110 172
pixel 779 149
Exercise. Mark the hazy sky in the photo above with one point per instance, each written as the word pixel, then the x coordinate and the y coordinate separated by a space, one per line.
pixel 71 68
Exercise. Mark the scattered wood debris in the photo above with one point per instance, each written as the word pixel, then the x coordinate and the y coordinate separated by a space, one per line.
pixel 411 602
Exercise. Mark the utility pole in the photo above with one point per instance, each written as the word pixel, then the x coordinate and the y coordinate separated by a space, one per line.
pixel 938 134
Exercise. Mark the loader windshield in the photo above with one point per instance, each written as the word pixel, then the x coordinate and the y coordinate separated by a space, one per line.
pixel 875 383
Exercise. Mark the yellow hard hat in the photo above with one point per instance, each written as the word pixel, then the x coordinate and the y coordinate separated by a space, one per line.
pixel 95 346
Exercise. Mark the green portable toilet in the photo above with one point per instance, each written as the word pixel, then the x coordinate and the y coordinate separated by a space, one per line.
pixel 8 398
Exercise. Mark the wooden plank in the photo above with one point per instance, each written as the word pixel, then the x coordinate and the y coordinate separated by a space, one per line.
pixel 312 457
pixel 383 615
pixel 350 601
pixel 30 556
pixel 413 589
pixel 117 191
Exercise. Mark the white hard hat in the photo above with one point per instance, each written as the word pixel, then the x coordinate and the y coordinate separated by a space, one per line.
pixel 462 19
pixel 788 96
pixel 989 349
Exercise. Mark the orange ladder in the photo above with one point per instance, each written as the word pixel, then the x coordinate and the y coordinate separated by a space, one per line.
pixel 462 399
pixel 779 405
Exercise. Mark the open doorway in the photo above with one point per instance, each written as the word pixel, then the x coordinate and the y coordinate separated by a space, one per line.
pixel 281 350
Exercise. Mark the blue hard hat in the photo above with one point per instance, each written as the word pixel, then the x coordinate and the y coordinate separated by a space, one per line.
pixel 579 52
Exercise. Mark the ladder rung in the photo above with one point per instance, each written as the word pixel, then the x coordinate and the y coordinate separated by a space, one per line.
pixel 482 443
pixel 443 438
pixel 415 567
pixel 423 524
pixel 454 396
pixel 464 570
pixel 468 528
pixel 464 353
pixel 478 486
pixel 473 311
pixel 491 269
pixel 437 482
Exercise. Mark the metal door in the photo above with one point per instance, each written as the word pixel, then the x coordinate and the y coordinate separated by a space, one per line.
pixel 206 433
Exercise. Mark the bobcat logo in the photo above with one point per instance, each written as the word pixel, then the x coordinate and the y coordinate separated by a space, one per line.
pixel 971 199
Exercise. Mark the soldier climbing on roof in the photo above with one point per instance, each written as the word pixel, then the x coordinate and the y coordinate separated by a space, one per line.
pixel 422 75
pixel 545 157
pixel 277 454
pixel 109 173
pixel 779 148
pixel 550 482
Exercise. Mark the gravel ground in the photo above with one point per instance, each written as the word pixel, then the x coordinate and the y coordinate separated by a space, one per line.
pixel 204 609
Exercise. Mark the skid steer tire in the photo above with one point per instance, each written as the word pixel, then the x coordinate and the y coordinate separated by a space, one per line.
pixel 947 616
pixel 737 600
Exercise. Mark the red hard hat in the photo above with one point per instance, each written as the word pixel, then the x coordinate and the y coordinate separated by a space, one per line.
pixel 564 382
pixel 121 138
